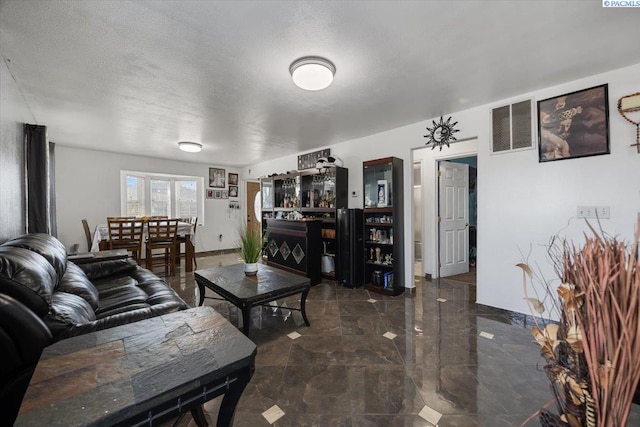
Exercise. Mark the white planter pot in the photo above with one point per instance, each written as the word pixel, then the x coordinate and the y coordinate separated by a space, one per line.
pixel 250 269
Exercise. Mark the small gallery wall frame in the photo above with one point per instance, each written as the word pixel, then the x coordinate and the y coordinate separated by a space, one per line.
pixel 233 191
pixel 574 125
pixel 224 195
pixel 217 178
pixel 210 194
pixel 233 178
pixel 217 194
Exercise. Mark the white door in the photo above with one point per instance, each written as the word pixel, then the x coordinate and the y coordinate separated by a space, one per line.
pixel 453 211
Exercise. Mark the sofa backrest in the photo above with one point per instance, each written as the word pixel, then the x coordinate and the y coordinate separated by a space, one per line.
pixel 46 245
pixel 28 277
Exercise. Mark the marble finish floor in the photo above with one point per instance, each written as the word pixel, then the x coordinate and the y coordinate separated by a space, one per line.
pixel 342 371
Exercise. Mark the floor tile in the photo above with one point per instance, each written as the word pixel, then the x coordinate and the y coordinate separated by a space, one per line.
pixel 342 372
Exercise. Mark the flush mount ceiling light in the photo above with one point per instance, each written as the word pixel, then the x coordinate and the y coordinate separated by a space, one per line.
pixel 190 147
pixel 312 72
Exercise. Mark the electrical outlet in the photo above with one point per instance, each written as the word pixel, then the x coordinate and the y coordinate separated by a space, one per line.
pixel 600 212
pixel 603 212
pixel 585 212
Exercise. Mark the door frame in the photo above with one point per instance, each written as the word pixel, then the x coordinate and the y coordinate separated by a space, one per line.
pixel 467 147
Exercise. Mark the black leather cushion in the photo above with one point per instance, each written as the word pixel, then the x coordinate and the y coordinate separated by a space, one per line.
pixel 67 311
pixel 76 282
pixel 109 269
pixel 27 277
pixel 115 299
pixel 47 246
pixel 22 337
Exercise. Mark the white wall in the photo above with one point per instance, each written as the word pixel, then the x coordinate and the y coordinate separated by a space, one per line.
pixel 521 203
pixel 88 186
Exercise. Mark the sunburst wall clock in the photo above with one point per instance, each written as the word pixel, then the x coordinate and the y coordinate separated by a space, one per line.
pixel 441 133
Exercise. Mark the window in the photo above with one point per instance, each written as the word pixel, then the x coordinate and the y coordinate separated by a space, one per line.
pixel 160 194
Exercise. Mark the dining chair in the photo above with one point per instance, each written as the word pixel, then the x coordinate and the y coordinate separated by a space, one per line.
pixel 87 233
pixel 126 234
pixel 162 234
pixel 183 239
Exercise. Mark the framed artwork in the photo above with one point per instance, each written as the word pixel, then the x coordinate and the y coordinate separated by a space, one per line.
pixel 225 194
pixel 383 193
pixel 574 125
pixel 233 178
pixel 209 194
pixel 217 194
pixel 233 191
pixel 217 178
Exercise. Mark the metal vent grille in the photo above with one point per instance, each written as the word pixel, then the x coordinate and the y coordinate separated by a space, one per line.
pixel 501 131
pixel 521 125
pixel 511 127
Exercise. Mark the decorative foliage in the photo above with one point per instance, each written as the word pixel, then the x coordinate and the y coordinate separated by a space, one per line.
pixel 251 244
pixel 592 354
pixel 441 133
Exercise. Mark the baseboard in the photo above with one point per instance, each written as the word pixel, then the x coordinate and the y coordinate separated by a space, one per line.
pixel 218 252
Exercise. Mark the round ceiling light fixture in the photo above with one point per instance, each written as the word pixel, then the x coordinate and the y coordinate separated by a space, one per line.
pixel 190 147
pixel 312 72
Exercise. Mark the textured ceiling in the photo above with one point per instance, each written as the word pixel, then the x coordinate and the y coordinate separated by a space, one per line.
pixel 137 77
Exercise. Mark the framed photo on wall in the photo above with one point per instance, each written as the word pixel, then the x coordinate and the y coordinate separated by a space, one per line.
pixel 225 194
pixel 209 194
pixel 217 194
pixel 233 178
pixel 217 178
pixel 233 191
pixel 574 125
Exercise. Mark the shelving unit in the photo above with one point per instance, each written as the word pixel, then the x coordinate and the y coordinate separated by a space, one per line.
pixel 383 225
pixel 316 195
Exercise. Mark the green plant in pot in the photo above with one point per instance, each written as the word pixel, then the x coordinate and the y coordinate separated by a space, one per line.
pixel 251 243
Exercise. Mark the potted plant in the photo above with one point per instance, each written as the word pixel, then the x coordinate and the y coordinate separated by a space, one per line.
pixel 251 243
pixel 592 352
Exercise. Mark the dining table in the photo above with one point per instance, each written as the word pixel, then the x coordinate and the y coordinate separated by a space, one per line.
pixel 100 241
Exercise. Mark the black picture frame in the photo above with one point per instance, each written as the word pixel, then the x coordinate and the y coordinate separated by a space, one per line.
pixel 233 191
pixel 233 178
pixel 574 125
pixel 217 178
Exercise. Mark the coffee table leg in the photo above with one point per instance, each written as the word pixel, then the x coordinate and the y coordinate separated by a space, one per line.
pixel 303 301
pixel 246 319
pixel 201 292
pixel 231 398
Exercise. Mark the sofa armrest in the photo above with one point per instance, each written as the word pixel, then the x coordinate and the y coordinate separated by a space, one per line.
pixel 114 267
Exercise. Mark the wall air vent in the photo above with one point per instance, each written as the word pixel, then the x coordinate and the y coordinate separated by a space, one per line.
pixel 512 127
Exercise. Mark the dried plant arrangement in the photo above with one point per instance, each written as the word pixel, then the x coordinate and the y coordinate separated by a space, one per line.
pixel 593 353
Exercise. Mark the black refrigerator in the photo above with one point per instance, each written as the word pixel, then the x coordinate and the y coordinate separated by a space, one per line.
pixel 350 258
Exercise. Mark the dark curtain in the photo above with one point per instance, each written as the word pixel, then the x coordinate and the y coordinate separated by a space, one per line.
pixel 39 177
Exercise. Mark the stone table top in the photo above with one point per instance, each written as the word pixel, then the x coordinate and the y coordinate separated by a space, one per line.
pixel 269 282
pixel 106 377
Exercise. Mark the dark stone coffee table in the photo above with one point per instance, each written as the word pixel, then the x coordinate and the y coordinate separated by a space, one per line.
pixel 246 292
pixel 141 373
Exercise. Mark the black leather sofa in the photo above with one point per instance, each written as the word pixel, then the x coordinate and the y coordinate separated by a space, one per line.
pixel 44 298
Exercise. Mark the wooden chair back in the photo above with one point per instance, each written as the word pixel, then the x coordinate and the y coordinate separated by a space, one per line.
pixel 162 230
pixel 126 234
